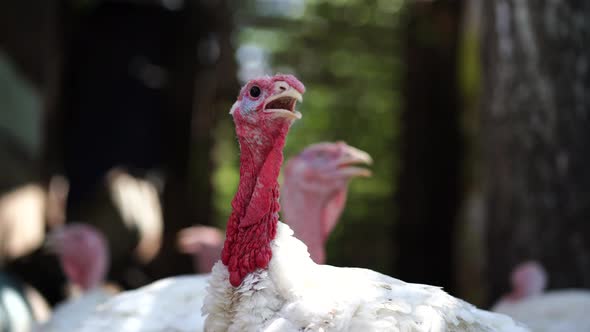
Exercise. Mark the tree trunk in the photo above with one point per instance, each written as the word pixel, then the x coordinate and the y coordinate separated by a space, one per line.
pixel 141 82
pixel 535 114
pixel 202 73
pixel 430 179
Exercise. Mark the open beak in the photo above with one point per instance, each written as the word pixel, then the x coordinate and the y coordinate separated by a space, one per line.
pixel 283 104
pixel 348 164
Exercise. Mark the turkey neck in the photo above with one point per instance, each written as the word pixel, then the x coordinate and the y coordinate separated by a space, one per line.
pixel 252 224
pixel 303 211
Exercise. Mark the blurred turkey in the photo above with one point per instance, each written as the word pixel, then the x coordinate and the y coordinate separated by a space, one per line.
pixel 544 311
pixel 22 223
pixel 318 176
pixel 137 200
pixel 126 208
pixel 203 243
pixel 313 197
pixel 315 188
pixel 83 256
pixel 20 305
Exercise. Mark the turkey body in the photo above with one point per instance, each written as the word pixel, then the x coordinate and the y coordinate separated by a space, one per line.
pixel 552 311
pixel 266 280
pixel 16 313
pixel 73 312
pixel 171 304
pixel 295 294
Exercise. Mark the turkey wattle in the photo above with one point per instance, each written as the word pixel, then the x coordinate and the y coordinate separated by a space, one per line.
pixel 313 197
pixel 330 164
pixel 266 280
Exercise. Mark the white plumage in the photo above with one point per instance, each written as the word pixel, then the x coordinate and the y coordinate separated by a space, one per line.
pixel 83 254
pixel 298 296
pixel 295 294
pixel 170 304
pixel 289 292
pixel 554 311
pixel 73 312
pixel 15 308
pixel 122 310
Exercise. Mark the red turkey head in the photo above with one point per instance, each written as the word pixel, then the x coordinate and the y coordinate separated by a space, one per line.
pixel 82 252
pixel 314 193
pixel 528 279
pixel 262 115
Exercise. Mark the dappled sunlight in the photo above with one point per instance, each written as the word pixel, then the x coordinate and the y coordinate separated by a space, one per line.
pixel 139 204
pixel 22 220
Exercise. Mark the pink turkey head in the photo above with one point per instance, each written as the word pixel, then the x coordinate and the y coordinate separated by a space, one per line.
pixel 266 108
pixel 82 252
pixel 204 243
pixel 315 188
pixel 528 279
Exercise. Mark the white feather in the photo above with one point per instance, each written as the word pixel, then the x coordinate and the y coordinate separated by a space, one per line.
pixel 70 314
pixel 295 294
pixel 553 311
pixel 171 304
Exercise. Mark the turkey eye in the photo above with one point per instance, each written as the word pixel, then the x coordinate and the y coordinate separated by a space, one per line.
pixel 255 91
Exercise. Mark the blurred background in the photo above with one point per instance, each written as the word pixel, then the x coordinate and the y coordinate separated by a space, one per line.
pixel 115 113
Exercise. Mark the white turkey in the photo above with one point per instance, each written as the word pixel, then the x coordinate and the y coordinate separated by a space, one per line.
pixel 563 310
pixel 84 258
pixel 266 280
pixel 313 197
pixel 318 176
pixel 21 306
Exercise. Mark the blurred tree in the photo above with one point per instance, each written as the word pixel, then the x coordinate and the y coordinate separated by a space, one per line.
pixel 535 137
pixel 202 77
pixel 113 103
pixel 430 182
pixel 29 80
pixel 469 270
pixel 140 86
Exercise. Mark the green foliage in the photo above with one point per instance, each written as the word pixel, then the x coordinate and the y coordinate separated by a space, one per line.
pixel 346 53
pixel 20 113
pixel 226 175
